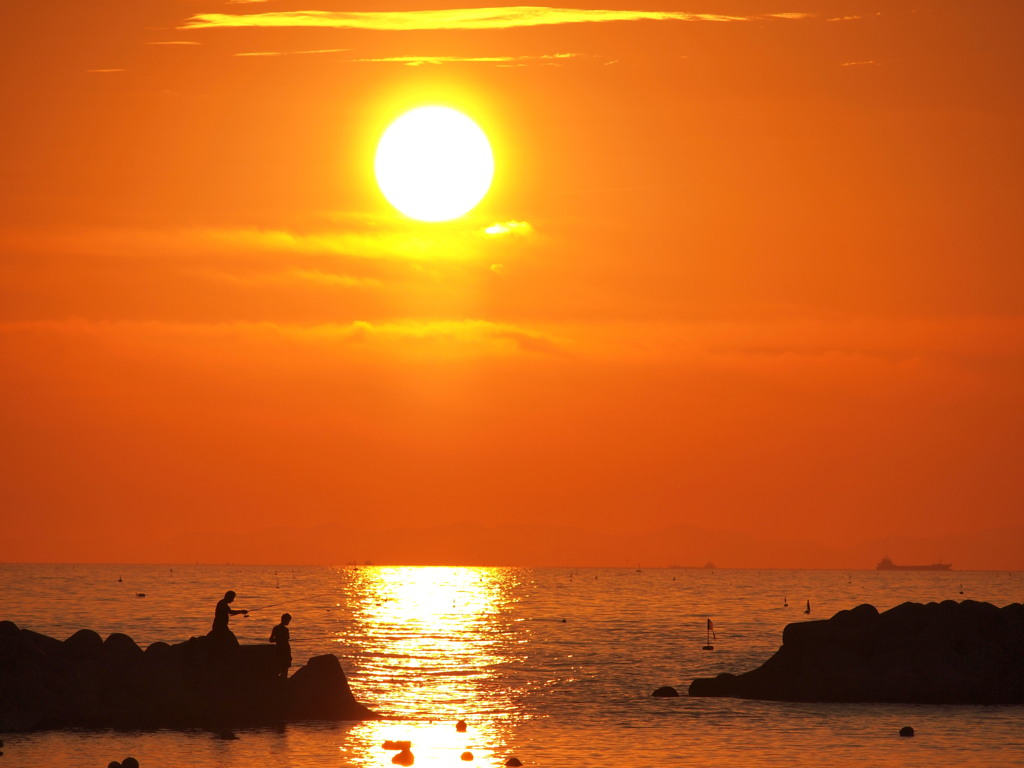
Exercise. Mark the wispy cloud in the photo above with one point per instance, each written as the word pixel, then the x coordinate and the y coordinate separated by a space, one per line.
pixel 854 18
pixel 507 61
pixel 434 339
pixel 173 42
pixel 455 18
pixel 293 53
pixel 868 63
pixel 503 228
pixel 387 238
pixel 112 69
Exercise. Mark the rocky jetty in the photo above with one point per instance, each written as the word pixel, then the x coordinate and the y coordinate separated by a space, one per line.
pixel 939 653
pixel 86 681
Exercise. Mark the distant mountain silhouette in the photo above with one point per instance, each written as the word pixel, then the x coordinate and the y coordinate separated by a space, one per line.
pixel 474 543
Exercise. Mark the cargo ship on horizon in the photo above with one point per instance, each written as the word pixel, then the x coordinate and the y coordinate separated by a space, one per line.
pixel 885 564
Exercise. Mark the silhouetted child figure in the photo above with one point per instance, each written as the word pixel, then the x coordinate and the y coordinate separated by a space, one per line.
pixel 282 637
pixel 221 614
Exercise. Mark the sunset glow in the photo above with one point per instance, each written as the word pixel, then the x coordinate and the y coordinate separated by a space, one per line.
pixel 513 284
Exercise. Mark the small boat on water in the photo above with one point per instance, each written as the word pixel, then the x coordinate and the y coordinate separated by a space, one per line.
pixel 885 564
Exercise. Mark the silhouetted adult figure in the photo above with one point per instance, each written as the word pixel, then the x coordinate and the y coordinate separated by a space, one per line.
pixel 221 614
pixel 281 636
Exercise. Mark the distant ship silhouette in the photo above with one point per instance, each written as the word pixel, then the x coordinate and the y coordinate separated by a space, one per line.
pixel 885 564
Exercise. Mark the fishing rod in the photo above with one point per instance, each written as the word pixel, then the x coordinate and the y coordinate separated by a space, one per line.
pixel 289 602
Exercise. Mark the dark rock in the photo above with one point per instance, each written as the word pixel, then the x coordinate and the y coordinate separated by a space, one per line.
pixel 906 731
pixel 513 762
pixel 84 644
pixel 665 690
pixel 405 757
pixel 320 690
pixel 88 682
pixel 941 653
pixel 122 648
pixel 157 650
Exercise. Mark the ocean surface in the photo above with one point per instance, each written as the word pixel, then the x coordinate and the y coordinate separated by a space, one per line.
pixel 555 666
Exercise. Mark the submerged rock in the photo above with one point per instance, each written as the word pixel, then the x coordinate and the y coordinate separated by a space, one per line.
pixel 939 653
pixel 88 682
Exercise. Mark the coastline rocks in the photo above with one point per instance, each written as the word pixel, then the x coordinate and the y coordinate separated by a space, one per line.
pixel 320 691
pixel 88 682
pixel 939 653
pixel 665 691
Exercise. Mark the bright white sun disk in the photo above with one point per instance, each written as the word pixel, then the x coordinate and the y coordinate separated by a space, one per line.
pixel 434 164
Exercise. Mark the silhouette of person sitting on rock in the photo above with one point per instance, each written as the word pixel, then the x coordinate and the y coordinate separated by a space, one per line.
pixel 281 636
pixel 221 614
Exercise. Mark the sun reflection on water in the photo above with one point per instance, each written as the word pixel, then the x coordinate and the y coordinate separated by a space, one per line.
pixel 430 644
pixel 429 641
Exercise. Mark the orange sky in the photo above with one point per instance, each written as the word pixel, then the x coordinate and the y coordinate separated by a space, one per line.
pixel 758 271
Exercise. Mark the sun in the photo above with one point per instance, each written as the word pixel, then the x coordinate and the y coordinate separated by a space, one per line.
pixel 434 164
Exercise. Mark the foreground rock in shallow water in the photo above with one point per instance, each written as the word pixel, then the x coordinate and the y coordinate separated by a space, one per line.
pixel 939 653
pixel 88 682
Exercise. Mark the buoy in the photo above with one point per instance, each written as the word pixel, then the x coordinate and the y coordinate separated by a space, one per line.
pixel 711 633
pixel 906 731
pixel 140 594
pixel 808 607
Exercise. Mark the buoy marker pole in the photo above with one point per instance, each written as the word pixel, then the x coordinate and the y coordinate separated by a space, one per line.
pixel 711 633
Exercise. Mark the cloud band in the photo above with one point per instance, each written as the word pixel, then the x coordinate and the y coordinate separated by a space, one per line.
pixel 456 18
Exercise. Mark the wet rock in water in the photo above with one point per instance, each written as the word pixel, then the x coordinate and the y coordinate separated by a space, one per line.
pixel 513 762
pixel 906 730
pixel 129 762
pixel 87 682
pixel 665 690
pixel 939 653
pixel 467 756
pixel 461 726
pixel 405 757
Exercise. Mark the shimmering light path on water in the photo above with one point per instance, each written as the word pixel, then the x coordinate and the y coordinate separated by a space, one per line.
pixel 555 666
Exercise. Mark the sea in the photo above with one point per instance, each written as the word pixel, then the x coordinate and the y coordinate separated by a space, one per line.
pixel 553 666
